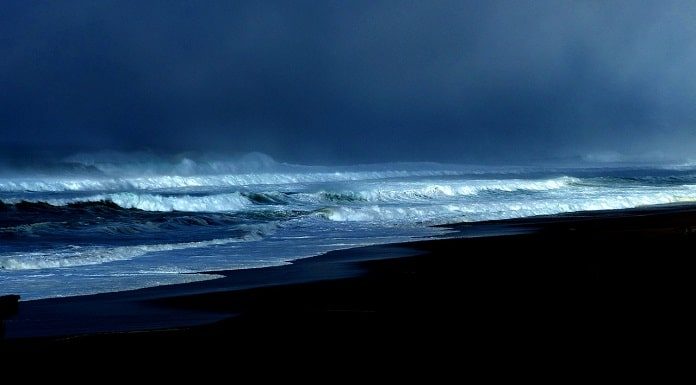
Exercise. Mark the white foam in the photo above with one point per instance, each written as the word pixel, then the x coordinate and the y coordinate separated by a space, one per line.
pixel 428 190
pixel 60 184
pixel 231 202
pixel 153 202
pixel 493 210
pixel 390 214
pixel 161 182
pixel 93 255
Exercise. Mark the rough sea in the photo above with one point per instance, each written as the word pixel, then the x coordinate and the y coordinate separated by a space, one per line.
pixel 96 224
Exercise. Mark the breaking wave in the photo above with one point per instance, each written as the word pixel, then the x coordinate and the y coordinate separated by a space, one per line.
pixel 371 192
pixel 100 219
pixel 419 191
pixel 80 256
pixel 162 182
pixel 484 211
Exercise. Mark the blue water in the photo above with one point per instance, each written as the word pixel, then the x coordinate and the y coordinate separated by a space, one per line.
pixel 106 226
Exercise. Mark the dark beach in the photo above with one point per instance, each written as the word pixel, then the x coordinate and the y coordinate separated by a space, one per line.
pixel 599 280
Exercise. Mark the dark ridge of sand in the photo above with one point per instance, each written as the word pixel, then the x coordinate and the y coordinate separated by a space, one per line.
pixel 602 281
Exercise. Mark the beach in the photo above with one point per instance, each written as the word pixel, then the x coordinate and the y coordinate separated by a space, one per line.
pixel 597 280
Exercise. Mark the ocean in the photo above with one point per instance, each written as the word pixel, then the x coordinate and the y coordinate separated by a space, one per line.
pixel 92 225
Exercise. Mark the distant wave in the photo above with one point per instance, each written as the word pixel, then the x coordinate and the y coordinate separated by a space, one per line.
pixel 144 163
pixel 419 191
pixel 230 202
pixel 43 206
pixel 395 200
pixel 490 210
pixel 377 192
pixel 72 184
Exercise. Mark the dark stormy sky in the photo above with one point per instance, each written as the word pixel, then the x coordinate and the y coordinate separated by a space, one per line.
pixel 351 81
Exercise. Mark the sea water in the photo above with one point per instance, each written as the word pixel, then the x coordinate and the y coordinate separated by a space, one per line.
pixel 94 226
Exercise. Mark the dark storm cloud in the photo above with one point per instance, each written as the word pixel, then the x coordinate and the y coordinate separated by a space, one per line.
pixel 351 81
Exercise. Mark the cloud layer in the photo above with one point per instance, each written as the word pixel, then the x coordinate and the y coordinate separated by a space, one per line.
pixel 351 82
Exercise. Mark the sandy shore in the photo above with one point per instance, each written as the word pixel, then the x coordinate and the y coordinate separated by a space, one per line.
pixel 603 279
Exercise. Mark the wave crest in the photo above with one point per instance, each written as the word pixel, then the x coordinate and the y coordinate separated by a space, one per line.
pixel 424 191
pixel 484 211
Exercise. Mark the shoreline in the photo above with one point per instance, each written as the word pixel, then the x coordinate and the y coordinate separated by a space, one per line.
pixel 590 272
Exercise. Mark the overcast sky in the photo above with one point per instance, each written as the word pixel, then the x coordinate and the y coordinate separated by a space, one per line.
pixel 351 81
